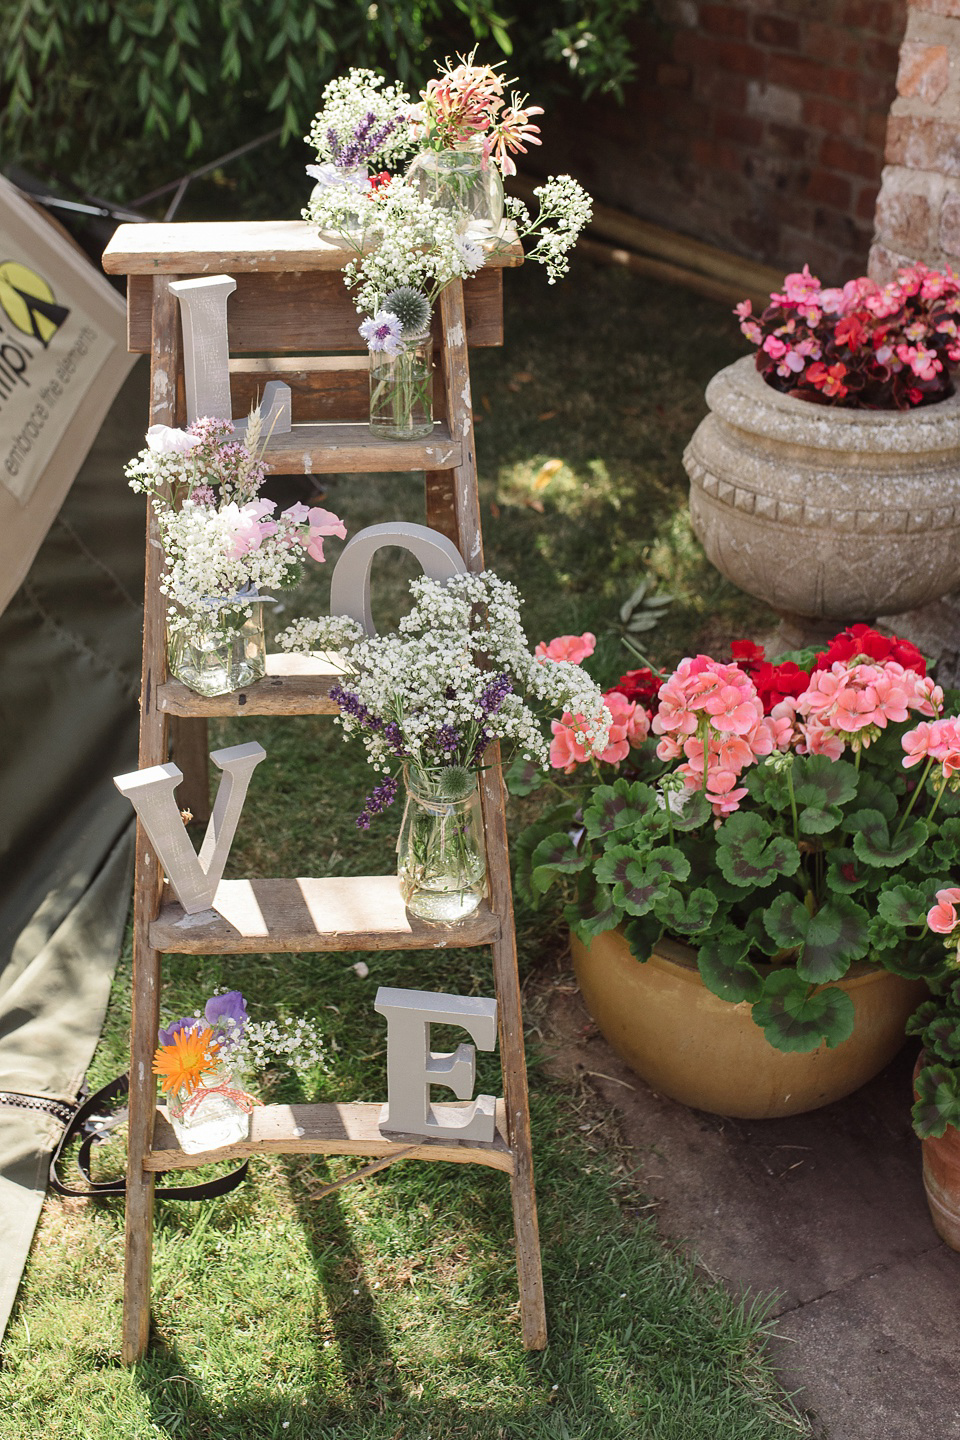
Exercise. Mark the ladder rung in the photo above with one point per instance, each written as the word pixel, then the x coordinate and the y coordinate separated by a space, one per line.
pixel 293 685
pixel 349 447
pixel 329 1130
pixel 333 913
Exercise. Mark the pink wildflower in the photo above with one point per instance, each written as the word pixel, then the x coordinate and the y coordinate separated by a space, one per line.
pixel 322 522
pixel 942 918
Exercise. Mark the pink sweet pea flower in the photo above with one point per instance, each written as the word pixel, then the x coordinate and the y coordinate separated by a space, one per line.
pixel 322 522
pixel 572 648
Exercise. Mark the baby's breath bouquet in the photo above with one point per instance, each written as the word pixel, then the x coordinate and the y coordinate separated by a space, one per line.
pixel 428 700
pixel 224 549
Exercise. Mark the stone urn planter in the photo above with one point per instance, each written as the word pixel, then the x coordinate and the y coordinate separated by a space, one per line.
pixel 829 515
pixel 687 1043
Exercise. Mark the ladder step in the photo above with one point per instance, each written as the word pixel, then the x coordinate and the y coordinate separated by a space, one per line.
pixel 293 685
pixel 333 913
pixel 329 1130
pixel 349 447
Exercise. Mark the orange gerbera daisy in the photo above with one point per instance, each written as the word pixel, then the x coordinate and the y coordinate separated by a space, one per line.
pixel 184 1060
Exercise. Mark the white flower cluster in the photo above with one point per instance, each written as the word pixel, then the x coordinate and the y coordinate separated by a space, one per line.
pixel 457 675
pixel 344 107
pixel 203 570
pixel 174 462
pixel 297 1043
pixel 329 635
pixel 565 209
pixel 417 245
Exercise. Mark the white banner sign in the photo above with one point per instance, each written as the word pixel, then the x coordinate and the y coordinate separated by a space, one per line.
pixel 62 360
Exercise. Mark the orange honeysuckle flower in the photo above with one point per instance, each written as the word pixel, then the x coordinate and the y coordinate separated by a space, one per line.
pixel 183 1062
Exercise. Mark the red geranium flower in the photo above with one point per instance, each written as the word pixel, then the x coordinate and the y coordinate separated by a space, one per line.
pixel 747 655
pixel 861 640
pixel 775 682
pixel 640 686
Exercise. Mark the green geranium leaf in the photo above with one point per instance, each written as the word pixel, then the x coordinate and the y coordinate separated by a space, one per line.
pixel 847 872
pixel 525 776
pixel 873 843
pixel 750 855
pixel 685 916
pixel 619 806
pixel 726 971
pixel 946 842
pixel 874 794
pixel 942 1038
pixel 828 941
pixel 904 905
pixel 938 1101
pixel 606 916
pixel 558 817
pixel 795 1018
pixel 556 855
pixel 922 1017
pixel 695 812
pixel 642 933
pixel 821 787
pixel 637 883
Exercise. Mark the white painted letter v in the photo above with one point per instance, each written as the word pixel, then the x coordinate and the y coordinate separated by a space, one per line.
pixel 193 877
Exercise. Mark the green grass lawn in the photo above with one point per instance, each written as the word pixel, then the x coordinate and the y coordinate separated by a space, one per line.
pixel 390 1309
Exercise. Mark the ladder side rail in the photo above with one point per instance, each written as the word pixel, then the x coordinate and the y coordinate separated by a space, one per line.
pixel 148 876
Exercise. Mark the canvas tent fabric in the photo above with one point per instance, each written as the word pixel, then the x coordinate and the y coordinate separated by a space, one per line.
pixel 70 642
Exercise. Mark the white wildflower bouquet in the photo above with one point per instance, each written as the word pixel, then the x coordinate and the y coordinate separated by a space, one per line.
pixel 362 122
pixel 224 548
pixel 457 675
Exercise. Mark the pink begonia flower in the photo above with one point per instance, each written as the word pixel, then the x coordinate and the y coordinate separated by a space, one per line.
pixel 774 347
pixel 942 918
pixel 922 362
pixel 165 440
pixel 572 648
pixel 323 522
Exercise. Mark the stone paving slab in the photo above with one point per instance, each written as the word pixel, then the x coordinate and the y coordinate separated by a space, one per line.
pixel 824 1211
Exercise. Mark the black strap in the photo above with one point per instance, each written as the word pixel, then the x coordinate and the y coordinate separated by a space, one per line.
pixel 104 1189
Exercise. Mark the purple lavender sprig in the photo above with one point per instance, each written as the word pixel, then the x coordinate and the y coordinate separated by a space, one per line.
pixel 351 704
pixel 494 695
pixel 375 803
pixel 365 142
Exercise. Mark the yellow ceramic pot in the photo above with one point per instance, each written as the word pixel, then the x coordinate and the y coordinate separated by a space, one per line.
pixel 689 1044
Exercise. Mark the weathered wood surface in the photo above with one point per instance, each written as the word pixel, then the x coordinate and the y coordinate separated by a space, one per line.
pixel 351 449
pixel 204 247
pixel 330 1130
pixel 310 313
pixel 323 387
pixel 293 685
pixel 165 409
pixel 331 913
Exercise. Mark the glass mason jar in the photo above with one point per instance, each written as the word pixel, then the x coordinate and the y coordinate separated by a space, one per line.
pixel 216 1113
pixel 351 182
pixel 223 649
pixel 401 390
pixel 441 862
pixel 460 182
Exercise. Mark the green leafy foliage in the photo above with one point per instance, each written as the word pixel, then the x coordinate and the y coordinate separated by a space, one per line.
pixel 117 94
pixel 938 1101
pixel 821 788
pixel 795 1017
pixel 750 854
pixel 555 855
pixel 826 940
pixel 620 806
pixel 556 818
pixel 873 842
pixel 637 884
pixel 726 970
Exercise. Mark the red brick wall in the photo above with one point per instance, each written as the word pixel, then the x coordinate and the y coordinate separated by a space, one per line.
pixel 757 125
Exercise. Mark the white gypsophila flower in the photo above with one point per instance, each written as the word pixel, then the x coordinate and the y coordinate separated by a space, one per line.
pixel 345 105
pixel 330 635
pixel 565 209
pixel 421 695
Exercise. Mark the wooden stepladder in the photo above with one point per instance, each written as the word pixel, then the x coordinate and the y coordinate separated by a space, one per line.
pixel 290 302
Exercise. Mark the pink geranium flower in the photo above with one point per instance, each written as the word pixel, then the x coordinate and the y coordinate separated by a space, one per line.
pixel 942 918
pixel 572 648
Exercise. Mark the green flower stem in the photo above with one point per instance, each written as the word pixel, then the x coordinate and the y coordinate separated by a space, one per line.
pixel 933 808
pixel 703 731
pixel 913 798
pixel 793 806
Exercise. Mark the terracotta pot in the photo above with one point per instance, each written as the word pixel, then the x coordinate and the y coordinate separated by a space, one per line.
pixel 689 1044
pixel 828 515
pixel 941 1177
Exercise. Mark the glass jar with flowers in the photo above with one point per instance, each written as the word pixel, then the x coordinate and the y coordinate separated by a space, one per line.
pixel 823 481
pixel 426 710
pixel 202 1059
pixel 363 124
pixel 467 136
pixel 789 825
pixel 223 549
